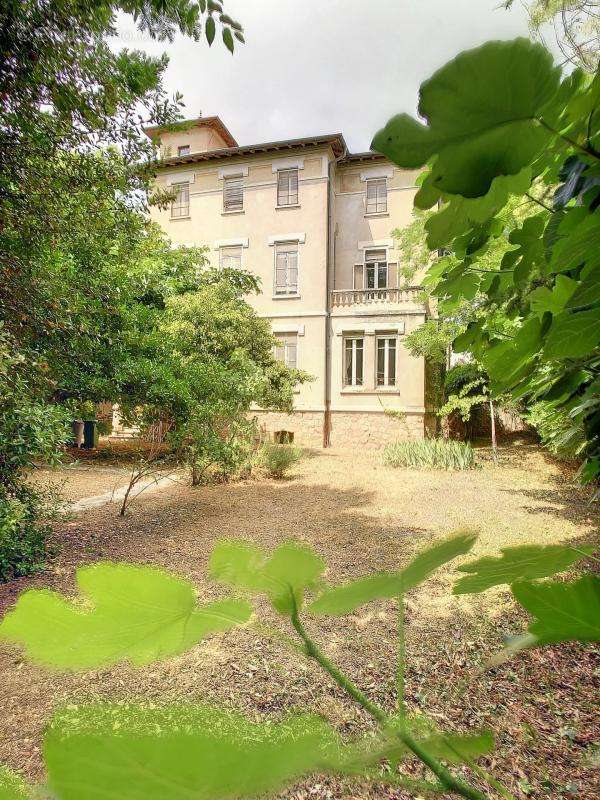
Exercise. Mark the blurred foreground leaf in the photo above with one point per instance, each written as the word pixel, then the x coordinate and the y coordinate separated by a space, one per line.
pixel 291 569
pixel 517 563
pixel 344 599
pixel 127 612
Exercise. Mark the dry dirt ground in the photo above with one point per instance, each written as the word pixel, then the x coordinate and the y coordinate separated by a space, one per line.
pixel 361 516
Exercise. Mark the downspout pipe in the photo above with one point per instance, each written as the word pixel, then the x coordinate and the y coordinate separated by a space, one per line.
pixel 330 266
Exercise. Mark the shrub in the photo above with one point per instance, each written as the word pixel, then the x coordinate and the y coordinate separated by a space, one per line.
pixel 430 454
pixel 22 535
pixel 278 458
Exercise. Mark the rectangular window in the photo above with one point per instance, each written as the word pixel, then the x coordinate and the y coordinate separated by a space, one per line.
pixel 180 207
pixel 233 194
pixel 376 269
pixel 353 361
pixel 287 187
pixel 286 268
pixel 183 150
pixel 377 196
pixel 230 257
pixel 386 361
pixel 286 350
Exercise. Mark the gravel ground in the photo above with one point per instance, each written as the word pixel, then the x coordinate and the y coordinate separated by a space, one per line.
pixel 361 516
pixel 75 481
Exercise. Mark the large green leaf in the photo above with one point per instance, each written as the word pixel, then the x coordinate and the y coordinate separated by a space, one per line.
pixel 292 568
pixel 563 611
pixel 12 786
pixel 127 612
pixel 573 334
pixel 517 563
pixel 482 117
pixel 554 300
pixel 180 753
pixel 507 362
pixel 459 214
pixel 350 596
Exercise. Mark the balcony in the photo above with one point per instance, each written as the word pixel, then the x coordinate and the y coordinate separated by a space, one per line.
pixel 341 298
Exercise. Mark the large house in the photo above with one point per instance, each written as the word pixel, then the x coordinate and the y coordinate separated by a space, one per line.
pixel 314 222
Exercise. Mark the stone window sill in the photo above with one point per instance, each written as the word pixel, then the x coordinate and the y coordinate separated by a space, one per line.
pixel 367 390
pixel 377 214
pixel 286 297
pixel 232 213
pixel 176 219
pixel 292 205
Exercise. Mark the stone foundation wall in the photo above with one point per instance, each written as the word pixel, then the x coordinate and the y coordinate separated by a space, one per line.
pixel 307 426
pixel 348 428
pixel 373 429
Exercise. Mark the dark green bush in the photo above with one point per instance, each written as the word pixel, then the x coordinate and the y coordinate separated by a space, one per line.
pixel 460 376
pixel 22 534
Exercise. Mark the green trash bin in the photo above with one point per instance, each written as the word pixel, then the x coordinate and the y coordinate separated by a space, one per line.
pixel 90 434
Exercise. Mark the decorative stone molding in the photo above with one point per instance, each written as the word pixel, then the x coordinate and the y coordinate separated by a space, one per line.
pixel 242 242
pixel 286 237
pixel 373 243
pixel 237 171
pixel 377 172
pixel 287 163
pixel 180 177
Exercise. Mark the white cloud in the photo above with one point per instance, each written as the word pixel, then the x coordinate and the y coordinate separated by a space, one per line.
pixel 323 66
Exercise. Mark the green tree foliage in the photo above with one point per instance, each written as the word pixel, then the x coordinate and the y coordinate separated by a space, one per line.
pixel 104 750
pixel 530 279
pixel 75 276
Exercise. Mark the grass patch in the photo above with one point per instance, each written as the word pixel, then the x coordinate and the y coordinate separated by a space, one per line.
pixel 276 459
pixel 430 454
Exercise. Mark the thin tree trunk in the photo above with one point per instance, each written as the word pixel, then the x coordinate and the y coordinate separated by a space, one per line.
pixel 493 431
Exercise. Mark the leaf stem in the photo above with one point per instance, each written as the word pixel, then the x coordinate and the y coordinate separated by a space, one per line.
pixel 400 667
pixel 589 150
pixel 439 770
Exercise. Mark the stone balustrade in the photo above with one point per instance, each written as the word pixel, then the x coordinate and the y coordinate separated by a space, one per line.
pixel 351 297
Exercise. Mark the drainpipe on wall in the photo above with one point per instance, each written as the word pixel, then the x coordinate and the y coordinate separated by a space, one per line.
pixel 330 267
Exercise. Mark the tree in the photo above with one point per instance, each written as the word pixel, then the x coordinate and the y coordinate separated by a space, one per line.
pixel 74 173
pixel 576 25
pixel 532 278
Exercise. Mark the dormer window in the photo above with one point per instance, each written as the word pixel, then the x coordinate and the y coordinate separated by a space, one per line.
pixel 183 150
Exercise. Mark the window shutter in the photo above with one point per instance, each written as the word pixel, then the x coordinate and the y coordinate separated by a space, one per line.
pixel 233 194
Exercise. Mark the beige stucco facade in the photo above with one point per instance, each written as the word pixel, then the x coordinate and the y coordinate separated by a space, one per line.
pixel 319 241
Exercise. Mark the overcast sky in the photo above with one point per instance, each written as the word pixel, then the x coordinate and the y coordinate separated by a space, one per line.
pixel 323 66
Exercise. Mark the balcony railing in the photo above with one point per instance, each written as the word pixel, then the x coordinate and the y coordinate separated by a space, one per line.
pixel 351 297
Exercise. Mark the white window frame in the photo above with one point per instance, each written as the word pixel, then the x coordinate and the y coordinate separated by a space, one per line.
pixel 292 198
pixel 223 254
pixel 376 271
pixel 184 147
pixel 353 341
pixel 386 339
pixel 179 209
pixel 381 193
pixel 228 205
pixel 289 291
pixel 288 346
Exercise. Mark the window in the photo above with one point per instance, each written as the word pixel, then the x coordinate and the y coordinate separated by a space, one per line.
pixel 183 150
pixel 386 361
pixel 376 269
pixel 286 349
pixel 353 362
pixel 233 194
pixel 287 187
pixel 230 257
pixel 377 196
pixel 180 207
pixel 286 268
